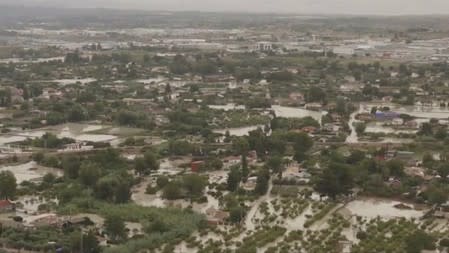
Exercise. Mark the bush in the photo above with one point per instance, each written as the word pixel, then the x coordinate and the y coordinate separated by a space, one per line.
pixel 444 242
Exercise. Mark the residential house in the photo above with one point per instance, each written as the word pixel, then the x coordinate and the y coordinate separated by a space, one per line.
pixel 6 206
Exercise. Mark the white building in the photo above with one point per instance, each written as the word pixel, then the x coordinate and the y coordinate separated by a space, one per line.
pixel 264 46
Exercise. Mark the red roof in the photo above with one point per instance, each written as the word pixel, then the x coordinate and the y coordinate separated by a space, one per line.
pixel 5 203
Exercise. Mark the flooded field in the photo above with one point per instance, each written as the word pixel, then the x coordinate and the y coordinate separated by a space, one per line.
pixel 238 131
pixel 293 112
pixel 37 60
pixel 64 82
pixel 30 171
pixel 372 208
pixel 78 132
pixel 227 107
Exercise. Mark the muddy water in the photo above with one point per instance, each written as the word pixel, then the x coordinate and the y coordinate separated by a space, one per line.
pixel 372 208
pixel 227 107
pixel 293 112
pixel 30 171
pixel 239 131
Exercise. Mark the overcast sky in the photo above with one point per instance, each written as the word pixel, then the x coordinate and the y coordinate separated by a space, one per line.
pixel 381 7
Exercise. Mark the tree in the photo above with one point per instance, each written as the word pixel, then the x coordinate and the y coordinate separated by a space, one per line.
pixel 194 184
pixel 336 179
pixel 360 128
pixel 71 166
pixel 396 167
pixel 115 228
pixel 89 173
pixel 122 191
pixel 234 177
pixel 172 191
pixel 418 241
pixel 275 163
pixel 84 243
pixel 162 181
pixel 425 129
pixel 151 161
pixel 237 214
pixel 214 163
pixel 245 170
pixel 240 145
pixel 8 185
pixel 263 178
pixel 436 195
pixel 316 94
pixel 140 166
pixel 443 170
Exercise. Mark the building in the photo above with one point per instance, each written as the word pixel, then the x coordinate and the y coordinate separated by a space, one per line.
pixel 196 165
pixel 216 217
pixel 74 147
pixel 264 46
pixel 6 206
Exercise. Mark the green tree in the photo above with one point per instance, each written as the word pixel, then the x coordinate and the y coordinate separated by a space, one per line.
pixel 262 183
pixel 194 184
pixel 84 243
pixel 234 178
pixel 236 214
pixel 275 163
pixel 336 179
pixel 245 170
pixel 240 145
pixel 172 191
pixel 71 166
pixel 8 185
pixel 395 167
pixel 115 228
pixel 418 241
pixel 360 128
pixel 140 166
pixel 151 160
pixel 162 181
pixel 89 173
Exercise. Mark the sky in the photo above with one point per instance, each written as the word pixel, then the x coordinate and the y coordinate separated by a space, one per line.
pixel 355 7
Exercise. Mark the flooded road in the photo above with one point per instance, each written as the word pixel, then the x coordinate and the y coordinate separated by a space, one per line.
pixel 296 112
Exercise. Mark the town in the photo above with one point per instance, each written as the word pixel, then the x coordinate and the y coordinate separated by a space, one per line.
pixel 198 132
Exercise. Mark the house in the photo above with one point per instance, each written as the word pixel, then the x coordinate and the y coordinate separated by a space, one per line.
pixel 386 115
pixel 250 184
pixel 365 117
pixel 397 122
pixel 196 165
pixel 6 206
pixel 45 220
pixel 74 147
pixel 232 160
pixel 216 217
pixel 264 46
pixel 314 106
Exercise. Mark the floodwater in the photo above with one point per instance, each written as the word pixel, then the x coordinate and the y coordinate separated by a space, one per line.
pixel 78 132
pixel 352 138
pixel 227 107
pixel 30 171
pixel 238 131
pixel 378 127
pixel 37 60
pixel 294 112
pixel 30 204
pixel 415 111
pixel 372 208
pixel 64 82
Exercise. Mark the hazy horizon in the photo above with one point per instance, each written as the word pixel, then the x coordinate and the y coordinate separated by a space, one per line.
pixel 351 7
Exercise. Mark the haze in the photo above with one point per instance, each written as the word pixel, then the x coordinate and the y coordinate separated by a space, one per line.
pixel 354 7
